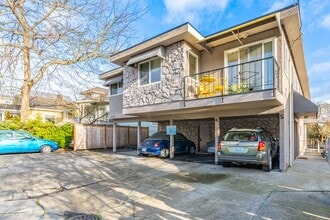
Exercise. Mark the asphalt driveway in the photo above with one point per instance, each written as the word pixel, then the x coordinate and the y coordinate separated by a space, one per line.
pixel 102 185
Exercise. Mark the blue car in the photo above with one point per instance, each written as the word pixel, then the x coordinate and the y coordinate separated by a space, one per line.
pixel 158 144
pixel 22 142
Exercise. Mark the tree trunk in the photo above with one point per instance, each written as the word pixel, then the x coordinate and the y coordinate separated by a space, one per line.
pixel 25 104
pixel 27 84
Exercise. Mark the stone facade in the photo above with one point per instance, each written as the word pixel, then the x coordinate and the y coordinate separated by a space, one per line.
pixel 189 128
pixel 168 90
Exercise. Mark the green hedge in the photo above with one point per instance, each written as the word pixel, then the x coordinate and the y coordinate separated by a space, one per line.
pixel 62 134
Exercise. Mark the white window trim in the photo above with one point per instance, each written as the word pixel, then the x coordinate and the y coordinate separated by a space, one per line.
pixel 262 42
pixel 273 39
pixel 148 61
pixel 190 53
pixel 119 93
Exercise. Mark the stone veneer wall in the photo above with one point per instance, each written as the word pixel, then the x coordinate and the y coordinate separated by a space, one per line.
pixel 189 128
pixel 169 89
pixel 268 122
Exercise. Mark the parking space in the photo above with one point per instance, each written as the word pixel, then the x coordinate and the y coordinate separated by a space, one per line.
pixel 124 186
pixel 202 158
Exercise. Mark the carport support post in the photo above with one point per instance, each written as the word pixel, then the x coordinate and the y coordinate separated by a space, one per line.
pixel 138 141
pixel 114 138
pixel 216 138
pixel 171 143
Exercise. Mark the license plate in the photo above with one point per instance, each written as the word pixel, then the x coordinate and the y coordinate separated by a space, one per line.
pixel 237 150
pixel 144 149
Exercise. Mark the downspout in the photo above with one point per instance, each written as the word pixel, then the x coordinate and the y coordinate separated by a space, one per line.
pixel 291 120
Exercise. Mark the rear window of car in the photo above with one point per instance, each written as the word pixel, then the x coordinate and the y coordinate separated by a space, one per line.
pixel 240 136
pixel 160 135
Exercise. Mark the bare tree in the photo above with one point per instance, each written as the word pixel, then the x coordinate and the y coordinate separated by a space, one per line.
pixel 38 38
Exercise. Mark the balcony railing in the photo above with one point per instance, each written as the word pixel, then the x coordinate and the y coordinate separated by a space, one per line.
pixel 257 75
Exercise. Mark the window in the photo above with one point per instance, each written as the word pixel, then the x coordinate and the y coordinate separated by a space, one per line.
pixel 255 75
pixel 150 71
pixel 21 136
pixel 116 88
pixel 193 63
pixel 6 135
pixel 50 118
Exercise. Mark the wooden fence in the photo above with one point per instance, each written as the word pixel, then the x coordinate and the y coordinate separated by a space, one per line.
pixel 101 136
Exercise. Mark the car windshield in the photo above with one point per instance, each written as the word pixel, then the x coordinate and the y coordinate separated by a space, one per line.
pixel 240 136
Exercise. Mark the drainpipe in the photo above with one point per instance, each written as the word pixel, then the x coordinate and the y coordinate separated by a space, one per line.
pixel 138 141
pixel 171 143
pixel 291 121
pixel 216 139
pixel 114 138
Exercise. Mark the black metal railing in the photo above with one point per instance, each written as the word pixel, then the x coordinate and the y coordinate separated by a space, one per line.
pixel 246 77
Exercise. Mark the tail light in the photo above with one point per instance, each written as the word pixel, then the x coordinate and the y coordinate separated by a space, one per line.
pixel 156 144
pixel 219 146
pixel 261 146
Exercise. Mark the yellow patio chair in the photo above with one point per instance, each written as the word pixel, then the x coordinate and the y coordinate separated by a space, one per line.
pixel 203 91
pixel 220 86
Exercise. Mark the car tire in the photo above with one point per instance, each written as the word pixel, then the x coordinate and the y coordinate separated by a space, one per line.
pixel 164 153
pixel 46 149
pixel 268 167
pixel 226 164
pixel 191 150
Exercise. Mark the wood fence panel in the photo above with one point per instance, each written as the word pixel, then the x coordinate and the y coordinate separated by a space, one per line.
pixel 95 137
pixel 132 132
pixel 101 136
pixel 109 137
pixel 79 137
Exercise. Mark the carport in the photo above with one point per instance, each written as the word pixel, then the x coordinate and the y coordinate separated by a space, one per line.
pixel 201 129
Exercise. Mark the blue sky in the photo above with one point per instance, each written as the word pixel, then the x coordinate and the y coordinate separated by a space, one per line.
pixel 209 16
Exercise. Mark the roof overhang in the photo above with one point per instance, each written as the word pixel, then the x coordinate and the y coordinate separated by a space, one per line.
pixel 241 31
pixel 184 32
pixel 112 73
pixel 290 21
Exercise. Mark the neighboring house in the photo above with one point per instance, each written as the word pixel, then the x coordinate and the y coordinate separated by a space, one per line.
pixel 8 107
pixel 50 107
pixel 250 75
pixel 94 108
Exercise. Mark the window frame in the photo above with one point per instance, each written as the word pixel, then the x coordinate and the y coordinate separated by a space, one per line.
pixel 119 92
pixel 247 46
pixel 149 72
pixel 190 53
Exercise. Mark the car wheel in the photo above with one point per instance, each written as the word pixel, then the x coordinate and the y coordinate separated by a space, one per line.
pixel 226 164
pixel 46 149
pixel 268 167
pixel 191 149
pixel 164 153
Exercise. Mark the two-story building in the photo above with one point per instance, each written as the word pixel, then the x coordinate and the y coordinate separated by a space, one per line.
pixel 94 107
pixel 250 75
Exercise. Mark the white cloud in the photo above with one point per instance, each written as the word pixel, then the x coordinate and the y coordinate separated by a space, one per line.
pixel 320 67
pixel 279 5
pixel 326 21
pixel 319 81
pixel 191 10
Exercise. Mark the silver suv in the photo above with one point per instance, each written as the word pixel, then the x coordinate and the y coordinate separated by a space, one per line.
pixel 248 146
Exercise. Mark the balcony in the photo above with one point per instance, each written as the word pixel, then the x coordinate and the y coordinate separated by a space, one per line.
pixel 248 77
